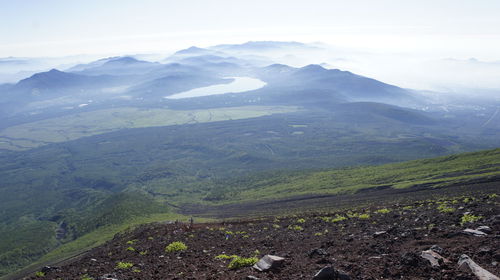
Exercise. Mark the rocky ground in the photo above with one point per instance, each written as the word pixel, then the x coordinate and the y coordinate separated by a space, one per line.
pixel 419 240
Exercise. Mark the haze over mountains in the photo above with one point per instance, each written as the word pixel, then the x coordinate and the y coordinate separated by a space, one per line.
pixel 79 145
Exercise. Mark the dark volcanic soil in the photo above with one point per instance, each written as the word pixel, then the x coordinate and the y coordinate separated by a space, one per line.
pixel 350 245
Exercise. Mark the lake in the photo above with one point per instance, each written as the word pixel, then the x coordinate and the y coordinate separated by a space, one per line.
pixel 239 84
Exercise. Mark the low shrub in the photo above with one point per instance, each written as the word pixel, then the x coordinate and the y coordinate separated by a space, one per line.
pixel 176 246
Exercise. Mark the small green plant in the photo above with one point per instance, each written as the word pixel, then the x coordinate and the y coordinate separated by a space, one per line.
pixel 131 249
pixel 176 246
pixel 443 208
pixel 301 221
pixel 131 242
pixel 295 227
pixel 150 238
pixel 407 207
pixel 124 265
pixel 240 262
pixel 86 277
pixel 493 195
pixel 337 218
pixel 318 234
pixel 383 211
pixel 467 200
pixel 40 274
pixel 225 257
pixel 276 226
pixel 364 216
pixel 136 270
pixel 143 253
pixel 469 218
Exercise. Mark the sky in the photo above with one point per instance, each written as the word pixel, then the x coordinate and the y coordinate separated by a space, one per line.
pixel 439 28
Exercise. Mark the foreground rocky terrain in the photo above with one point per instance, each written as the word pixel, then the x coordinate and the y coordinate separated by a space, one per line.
pixel 422 239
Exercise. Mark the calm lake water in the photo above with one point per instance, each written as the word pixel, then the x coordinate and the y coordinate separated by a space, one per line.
pixel 240 84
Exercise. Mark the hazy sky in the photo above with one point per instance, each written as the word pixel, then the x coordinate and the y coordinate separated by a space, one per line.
pixel 441 28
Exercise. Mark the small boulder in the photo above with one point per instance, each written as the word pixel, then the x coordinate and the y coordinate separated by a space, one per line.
pixel 251 277
pixel 317 252
pixel 269 262
pixel 473 232
pixel 330 273
pixel 434 258
pixel 437 249
pixel 485 229
pixel 467 264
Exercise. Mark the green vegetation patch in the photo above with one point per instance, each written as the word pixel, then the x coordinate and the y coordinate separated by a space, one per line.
pixel 176 246
pixel 441 171
pixel 239 262
pixel 124 265
pixel 70 127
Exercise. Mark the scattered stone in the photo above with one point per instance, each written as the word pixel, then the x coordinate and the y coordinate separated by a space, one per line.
pixel 474 232
pixel 108 277
pixel 330 273
pixel 251 277
pixel 437 249
pixel 485 229
pixel 467 264
pixel 269 262
pixel 317 252
pixel 434 258
pixel 379 233
pixel 93 260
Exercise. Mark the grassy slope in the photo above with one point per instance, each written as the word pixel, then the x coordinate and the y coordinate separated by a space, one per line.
pixel 436 171
pixel 65 128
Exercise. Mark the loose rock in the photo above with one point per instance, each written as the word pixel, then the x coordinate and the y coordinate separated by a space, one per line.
pixel 434 258
pixel 474 232
pixel 269 262
pixel 108 277
pixel 467 264
pixel 485 229
pixel 317 252
pixel 437 249
pixel 379 233
pixel 330 273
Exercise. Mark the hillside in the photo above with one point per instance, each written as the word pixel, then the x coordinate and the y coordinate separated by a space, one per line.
pixel 434 173
pixel 245 196
pixel 384 239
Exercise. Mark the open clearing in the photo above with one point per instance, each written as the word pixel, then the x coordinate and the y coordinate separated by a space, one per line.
pixel 71 127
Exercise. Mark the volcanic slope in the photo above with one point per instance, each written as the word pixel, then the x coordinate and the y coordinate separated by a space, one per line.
pixel 379 240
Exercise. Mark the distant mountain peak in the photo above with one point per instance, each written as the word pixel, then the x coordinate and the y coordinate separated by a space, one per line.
pixel 193 50
pixel 313 67
pixel 51 73
pixel 124 60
